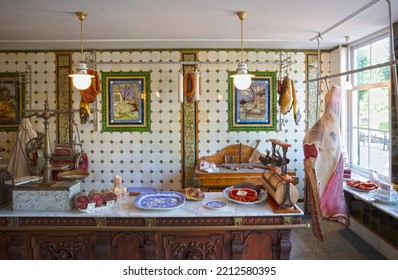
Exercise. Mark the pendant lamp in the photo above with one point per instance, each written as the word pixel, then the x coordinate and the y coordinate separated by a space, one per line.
pixel 80 79
pixel 242 78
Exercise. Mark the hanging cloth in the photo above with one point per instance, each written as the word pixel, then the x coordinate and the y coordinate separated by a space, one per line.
pixel 19 164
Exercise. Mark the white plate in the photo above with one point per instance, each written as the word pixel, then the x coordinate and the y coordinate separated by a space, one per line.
pixel 358 189
pixel 359 181
pixel 261 197
pixel 374 194
pixel 215 204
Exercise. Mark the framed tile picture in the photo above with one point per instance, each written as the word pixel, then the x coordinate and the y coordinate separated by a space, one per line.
pixel 126 101
pixel 11 101
pixel 255 108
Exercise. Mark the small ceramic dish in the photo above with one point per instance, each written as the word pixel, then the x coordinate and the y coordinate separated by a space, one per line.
pixel 215 204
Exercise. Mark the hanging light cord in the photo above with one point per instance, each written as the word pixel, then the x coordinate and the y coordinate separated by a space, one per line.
pixel 241 15
pixel 81 39
pixel 241 40
pixel 81 16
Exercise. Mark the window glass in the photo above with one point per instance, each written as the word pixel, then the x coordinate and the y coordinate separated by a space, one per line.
pixel 361 60
pixel 378 106
pixel 380 54
pixel 370 110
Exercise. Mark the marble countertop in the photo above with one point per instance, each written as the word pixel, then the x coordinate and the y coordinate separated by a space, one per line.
pixel 391 209
pixel 125 208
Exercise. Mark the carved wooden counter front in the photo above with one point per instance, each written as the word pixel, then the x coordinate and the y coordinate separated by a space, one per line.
pixel 125 232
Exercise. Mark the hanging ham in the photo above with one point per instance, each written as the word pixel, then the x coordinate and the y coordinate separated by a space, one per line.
pixel 286 96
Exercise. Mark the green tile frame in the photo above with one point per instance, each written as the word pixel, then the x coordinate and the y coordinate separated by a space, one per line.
pixel 189 129
pixel 19 100
pixel 64 122
pixel 273 106
pixel 146 126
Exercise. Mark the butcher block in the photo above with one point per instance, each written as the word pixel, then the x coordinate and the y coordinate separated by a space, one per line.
pixel 34 197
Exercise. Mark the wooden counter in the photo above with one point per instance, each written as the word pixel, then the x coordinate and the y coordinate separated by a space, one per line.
pixel 245 166
pixel 126 232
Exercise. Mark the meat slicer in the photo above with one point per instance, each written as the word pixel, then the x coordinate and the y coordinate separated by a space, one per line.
pixel 63 159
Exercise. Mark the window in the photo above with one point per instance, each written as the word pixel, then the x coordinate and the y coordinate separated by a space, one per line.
pixel 370 108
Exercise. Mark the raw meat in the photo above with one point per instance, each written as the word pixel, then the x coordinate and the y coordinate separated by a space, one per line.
pixel 324 167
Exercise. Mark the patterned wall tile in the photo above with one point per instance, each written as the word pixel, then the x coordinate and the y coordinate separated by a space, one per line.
pixel 153 158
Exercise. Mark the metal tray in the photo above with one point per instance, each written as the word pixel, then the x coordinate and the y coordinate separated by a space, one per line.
pixel 73 175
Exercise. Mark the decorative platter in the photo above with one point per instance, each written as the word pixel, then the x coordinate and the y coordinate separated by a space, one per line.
pixel 261 196
pixel 73 175
pixel 165 200
pixel 215 204
pixel 357 189
pixel 394 197
pixel 361 186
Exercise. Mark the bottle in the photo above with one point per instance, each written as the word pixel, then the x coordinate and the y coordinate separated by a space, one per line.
pixel 373 177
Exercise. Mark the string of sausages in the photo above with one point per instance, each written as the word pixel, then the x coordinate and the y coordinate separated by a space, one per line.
pixel 246 195
pixel 362 185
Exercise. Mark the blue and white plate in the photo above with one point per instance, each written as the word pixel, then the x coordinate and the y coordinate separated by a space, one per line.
pixel 215 204
pixel 166 200
pixel 393 200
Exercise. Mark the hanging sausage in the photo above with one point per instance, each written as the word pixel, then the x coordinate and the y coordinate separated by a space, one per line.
pixel 89 96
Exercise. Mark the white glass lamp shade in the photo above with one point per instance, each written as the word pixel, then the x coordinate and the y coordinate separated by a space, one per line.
pixel 81 80
pixel 242 79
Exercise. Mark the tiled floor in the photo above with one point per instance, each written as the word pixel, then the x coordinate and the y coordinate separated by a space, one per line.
pixel 375 242
pixel 345 245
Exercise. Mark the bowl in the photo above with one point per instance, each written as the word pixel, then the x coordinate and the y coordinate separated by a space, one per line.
pixel 194 194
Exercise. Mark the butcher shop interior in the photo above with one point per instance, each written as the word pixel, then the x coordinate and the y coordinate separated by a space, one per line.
pixel 198 130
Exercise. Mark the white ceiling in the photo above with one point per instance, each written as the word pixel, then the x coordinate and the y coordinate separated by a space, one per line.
pixel 185 24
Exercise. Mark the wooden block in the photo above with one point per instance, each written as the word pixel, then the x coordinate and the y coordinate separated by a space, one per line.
pixel 280 143
pixel 285 178
pixel 275 207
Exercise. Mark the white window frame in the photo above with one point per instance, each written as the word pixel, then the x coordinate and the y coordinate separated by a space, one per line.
pixel 352 47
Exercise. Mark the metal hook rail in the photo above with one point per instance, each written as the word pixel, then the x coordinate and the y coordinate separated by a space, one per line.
pixel 392 63
pixel 344 20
